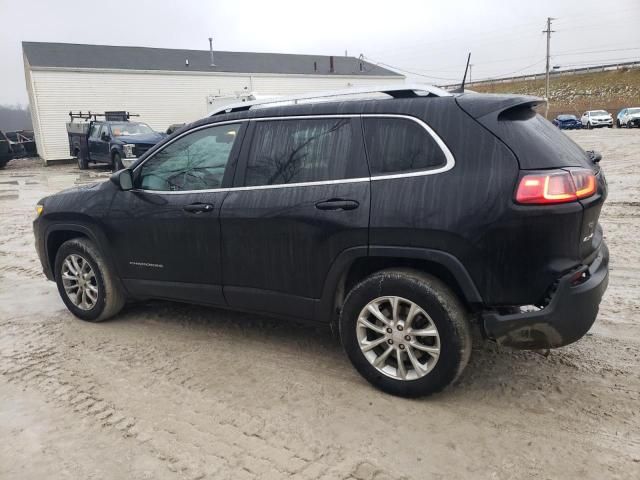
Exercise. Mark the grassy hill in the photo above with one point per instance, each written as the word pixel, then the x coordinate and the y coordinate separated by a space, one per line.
pixel 611 91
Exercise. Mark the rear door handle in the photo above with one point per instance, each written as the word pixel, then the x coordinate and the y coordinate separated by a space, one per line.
pixel 198 208
pixel 337 204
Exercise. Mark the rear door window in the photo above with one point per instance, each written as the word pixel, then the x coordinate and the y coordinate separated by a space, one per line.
pixel 292 151
pixel 396 145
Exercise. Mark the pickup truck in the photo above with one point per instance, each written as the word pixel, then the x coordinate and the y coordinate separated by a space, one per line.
pixel 114 140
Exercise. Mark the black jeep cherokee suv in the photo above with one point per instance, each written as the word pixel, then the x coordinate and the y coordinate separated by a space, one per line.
pixel 402 221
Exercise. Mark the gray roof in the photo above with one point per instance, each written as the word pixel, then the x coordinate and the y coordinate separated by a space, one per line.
pixel 69 55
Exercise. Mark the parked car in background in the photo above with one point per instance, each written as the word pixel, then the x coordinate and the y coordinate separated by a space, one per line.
pixel 398 221
pixel 116 140
pixel 628 117
pixel 596 119
pixel 567 122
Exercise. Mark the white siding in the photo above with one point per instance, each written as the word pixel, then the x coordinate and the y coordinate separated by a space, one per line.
pixel 161 99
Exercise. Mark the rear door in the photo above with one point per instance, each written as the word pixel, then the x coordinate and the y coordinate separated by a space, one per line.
pixel 302 198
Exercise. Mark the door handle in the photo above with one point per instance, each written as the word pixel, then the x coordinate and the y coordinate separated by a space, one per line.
pixel 337 204
pixel 198 208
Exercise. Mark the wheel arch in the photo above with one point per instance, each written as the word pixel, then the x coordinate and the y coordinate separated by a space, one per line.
pixel 355 264
pixel 60 233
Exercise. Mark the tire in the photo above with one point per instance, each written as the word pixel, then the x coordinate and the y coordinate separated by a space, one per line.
pixel 443 310
pixel 108 294
pixel 589 126
pixel 117 162
pixel 618 124
pixel 83 163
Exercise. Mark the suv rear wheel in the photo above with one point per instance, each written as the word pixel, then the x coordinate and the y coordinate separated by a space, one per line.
pixel 87 285
pixel 405 332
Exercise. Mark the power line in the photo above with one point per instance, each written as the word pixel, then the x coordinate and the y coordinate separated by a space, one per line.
pixel 407 71
pixel 594 51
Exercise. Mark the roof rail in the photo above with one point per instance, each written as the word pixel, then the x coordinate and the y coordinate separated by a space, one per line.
pixel 404 90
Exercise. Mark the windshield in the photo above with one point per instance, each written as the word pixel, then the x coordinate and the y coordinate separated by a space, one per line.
pixel 633 111
pixel 599 112
pixel 128 128
pixel 566 117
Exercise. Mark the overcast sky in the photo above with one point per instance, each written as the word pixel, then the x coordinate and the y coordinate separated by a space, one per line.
pixel 431 38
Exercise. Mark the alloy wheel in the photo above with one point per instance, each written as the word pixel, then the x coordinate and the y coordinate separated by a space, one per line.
pixel 79 281
pixel 398 338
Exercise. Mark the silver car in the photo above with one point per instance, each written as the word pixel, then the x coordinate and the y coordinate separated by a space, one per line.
pixel 629 117
pixel 596 118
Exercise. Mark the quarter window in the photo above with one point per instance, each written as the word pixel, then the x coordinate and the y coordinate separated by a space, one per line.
pixel 400 145
pixel 194 162
pixel 295 151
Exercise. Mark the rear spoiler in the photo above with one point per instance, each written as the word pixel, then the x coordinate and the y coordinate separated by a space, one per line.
pixel 481 105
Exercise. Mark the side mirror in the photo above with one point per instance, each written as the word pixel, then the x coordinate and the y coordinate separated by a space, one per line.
pixel 123 179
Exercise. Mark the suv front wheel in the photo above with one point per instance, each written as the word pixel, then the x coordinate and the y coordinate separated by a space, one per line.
pixel 87 285
pixel 405 332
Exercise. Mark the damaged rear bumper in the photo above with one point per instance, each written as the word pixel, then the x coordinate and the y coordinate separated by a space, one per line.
pixel 567 317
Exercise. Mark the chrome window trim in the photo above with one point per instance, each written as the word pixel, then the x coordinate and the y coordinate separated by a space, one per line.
pixel 449 164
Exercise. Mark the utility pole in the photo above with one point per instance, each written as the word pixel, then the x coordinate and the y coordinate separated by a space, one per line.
pixel 548 31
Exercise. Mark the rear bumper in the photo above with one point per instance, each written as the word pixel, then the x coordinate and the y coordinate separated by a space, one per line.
pixel 568 316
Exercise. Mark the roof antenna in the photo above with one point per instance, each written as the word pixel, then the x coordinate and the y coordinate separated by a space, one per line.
pixel 464 79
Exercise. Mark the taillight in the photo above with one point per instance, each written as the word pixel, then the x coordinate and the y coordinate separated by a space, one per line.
pixel 557 186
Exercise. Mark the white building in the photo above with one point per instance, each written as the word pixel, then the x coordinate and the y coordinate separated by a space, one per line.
pixel 166 86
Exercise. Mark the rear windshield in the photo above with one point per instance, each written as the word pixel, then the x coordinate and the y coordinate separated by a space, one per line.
pixel 537 143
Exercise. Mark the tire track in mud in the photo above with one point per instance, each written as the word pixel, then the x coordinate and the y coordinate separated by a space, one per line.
pixel 229 442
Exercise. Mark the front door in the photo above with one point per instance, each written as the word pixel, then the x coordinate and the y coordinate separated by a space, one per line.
pixel 166 232
pixel 95 143
pixel 304 198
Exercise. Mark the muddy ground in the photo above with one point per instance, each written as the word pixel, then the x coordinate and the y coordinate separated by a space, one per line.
pixel 170 391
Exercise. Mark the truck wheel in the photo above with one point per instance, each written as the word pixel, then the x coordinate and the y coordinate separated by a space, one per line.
pixel 405 332
pixel 83 163
pixel 87 285
pixel 117 162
